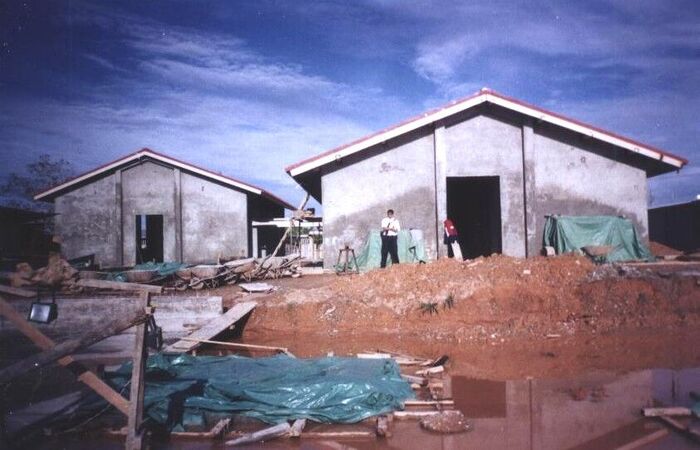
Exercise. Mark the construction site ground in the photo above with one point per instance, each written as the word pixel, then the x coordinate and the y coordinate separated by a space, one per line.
pixel 576 328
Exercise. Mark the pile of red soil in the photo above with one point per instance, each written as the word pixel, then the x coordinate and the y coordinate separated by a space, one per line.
pixel 660 250
pixel 486 298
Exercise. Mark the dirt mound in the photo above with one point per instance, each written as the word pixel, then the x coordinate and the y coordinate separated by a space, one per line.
pixel 486 298
pixel 658 249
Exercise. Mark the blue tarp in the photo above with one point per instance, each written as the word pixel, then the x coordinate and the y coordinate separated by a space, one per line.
pixel 180 389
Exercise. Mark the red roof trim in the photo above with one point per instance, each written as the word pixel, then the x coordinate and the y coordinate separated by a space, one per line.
pixel 484 91
pixel 146 151
pixel 592 127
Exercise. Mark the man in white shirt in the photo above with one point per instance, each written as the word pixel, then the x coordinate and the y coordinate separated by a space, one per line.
pixel 389 233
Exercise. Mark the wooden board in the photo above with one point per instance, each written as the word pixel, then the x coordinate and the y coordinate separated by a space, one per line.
pixel 17 291
pixel 213 328
pixel 119 286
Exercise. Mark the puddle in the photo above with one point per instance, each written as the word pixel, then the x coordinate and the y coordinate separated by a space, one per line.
pixel 595 411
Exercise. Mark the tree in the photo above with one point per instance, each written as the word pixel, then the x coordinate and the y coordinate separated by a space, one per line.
pixel 20 187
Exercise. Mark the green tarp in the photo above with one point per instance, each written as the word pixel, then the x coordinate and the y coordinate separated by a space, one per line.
pixel 181 389
pixel 572 233
pixel 163 269
pixel 410 250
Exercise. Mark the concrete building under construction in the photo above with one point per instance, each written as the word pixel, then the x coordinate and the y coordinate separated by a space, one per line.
pixel 148 206
pixel 495 165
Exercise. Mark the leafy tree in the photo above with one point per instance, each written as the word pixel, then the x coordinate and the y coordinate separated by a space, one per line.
pixel 20 187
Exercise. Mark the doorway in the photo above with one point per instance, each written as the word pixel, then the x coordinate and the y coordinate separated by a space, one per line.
pixel 474 205
pixel 149 238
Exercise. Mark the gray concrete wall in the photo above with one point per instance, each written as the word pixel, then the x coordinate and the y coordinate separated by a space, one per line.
pixel 148 188
pixel 542 170
pixel 357 193
pixel 491 146
pixel 576 176
pixel 214 220
pixel 86 220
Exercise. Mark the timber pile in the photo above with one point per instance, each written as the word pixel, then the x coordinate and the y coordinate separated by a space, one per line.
pixel 232 272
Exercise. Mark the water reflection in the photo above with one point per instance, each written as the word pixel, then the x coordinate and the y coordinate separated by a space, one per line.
pixel 600 410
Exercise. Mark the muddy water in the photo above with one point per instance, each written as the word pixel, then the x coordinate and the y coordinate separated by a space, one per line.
pixel 581 393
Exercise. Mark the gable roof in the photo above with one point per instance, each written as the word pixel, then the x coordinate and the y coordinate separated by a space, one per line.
pixel 486 95
pixel 53 192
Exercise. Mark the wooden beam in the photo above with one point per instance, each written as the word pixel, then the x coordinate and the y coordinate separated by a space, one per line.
pixel 120 286
pixel 655 436
pixel 238 345
pixel 213 328
pixel 275 431
pixel 17 291
pixel 71 346
pixel 667 411
pixel 134 438
pixel 84 375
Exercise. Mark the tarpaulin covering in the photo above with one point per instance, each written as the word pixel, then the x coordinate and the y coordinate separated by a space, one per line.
pixel 180 389
pixel 163 269
pixel 572 233
pixel 410 249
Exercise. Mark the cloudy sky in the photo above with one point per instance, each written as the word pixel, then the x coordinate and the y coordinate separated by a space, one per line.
pixel 248 87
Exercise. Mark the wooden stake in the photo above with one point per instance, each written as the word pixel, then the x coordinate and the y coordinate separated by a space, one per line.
pixel 134 437
pixel 84 375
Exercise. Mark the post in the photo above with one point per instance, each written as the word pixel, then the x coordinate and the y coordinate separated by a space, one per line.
pixel 256 252
pixel 178 215
pixel 440 185
pixel 119 219
pixel 134 436
pixel 529 194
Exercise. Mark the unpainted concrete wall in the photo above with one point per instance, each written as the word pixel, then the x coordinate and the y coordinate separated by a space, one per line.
pixel 357 193
pixel 148 188
pixel 542 170
pixel 578 177
pixel 214 220
pixel 86 219
pixel 491 146
pixel 100 217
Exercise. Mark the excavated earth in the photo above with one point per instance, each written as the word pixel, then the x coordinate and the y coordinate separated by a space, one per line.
pixel 486 299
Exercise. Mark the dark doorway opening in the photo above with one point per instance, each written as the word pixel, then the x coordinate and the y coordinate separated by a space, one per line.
pixel 149 238
pixel 474 205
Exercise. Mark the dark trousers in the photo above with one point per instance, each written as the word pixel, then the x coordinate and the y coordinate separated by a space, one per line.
pixel 389 247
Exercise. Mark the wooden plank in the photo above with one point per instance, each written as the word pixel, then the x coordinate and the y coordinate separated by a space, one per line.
pixel 443 402
pixel 667 411
pixel 85 376
pixel 212 328
pixel 297 427
pixel 414 414
pixel 239 345
pixel 71 346
pixel 134 437
pixel 694 434
pixel 649 438
pixel 120 286
pixel 17 291
pixel 275 431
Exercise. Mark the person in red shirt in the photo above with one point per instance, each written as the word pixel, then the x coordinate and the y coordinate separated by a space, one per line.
pixel 451 236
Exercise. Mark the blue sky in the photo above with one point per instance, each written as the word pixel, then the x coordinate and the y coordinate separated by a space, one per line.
pixel 246 88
